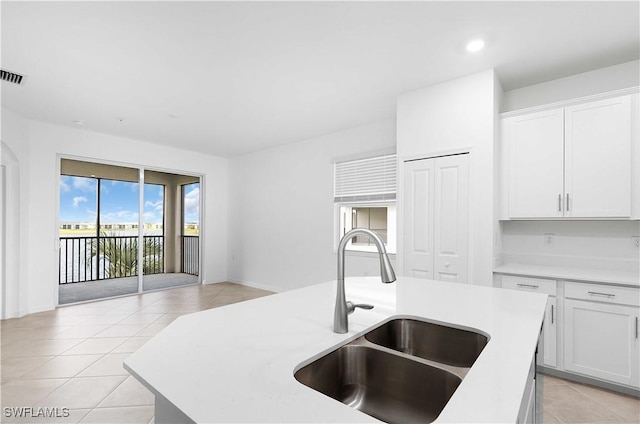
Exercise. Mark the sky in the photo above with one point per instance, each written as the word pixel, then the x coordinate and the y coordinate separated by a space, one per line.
pixel 119 201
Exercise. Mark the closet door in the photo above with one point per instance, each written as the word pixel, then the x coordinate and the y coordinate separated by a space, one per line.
pixel 418 218
pixel 451 218
pixel 436 199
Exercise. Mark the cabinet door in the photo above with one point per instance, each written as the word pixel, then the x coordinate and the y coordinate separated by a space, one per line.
pixel 535 146
pixel 547 355
pixel 418 210
pixel 598 159
pixel 451 218
pixel 601 340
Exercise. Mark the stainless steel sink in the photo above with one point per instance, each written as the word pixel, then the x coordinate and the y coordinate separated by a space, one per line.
pixel 388 387
pixel 446 345
pixel 406 370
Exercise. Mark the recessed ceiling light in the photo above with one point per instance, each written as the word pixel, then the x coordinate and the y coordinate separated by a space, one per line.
pixel 476 45
pixel 79 123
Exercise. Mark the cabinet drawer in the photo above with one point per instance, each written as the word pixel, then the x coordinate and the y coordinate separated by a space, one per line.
pixel 537 285
pixel 602 293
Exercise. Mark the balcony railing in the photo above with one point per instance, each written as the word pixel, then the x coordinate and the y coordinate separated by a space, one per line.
pixel 98 258
pixel 190 263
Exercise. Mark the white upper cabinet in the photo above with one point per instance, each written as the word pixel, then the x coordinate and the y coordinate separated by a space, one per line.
pixel 536 164
pixel 598 159
pixel 573 162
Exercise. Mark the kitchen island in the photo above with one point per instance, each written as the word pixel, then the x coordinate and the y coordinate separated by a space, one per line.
pixel 236 363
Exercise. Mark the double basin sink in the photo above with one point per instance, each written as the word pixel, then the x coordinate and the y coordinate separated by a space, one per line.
pixel 405 370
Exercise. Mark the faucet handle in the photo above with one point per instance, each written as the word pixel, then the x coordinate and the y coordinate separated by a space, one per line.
pixel 352 306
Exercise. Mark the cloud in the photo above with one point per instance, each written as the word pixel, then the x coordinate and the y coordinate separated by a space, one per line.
pixel 119 216
pixel 156 206
pixel 84 184
pixel 77 200
pixel 192 203
pixel 64 187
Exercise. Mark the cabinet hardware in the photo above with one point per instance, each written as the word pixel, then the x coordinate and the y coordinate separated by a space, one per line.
pixel 567 202
pixel 601 294
pixel 559 202
pixel 552 317
pixel 531 286
pixel 636 327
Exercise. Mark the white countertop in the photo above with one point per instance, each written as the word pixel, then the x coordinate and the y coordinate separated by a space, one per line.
pixel 236 363
pixel 605 276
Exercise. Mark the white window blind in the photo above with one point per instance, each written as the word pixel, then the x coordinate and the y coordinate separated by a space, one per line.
pixel 365 179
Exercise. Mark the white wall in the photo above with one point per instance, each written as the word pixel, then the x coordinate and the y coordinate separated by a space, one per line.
pixel 281 211
pixel 15 267
pixel 38 151
pixel 457 115
pixel 612 78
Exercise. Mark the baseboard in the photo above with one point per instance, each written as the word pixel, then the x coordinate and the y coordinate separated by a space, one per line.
pixel 257 285
pixel 22 313
pixel 591 381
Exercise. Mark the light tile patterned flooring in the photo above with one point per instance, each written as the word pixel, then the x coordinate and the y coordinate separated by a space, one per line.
pixel 72 358
pixel 568 402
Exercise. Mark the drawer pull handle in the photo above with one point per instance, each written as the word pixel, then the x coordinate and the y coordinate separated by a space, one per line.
pixel 529 286
pixel 601 294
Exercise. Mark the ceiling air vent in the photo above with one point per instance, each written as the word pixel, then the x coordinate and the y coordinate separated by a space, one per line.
pixel 11 77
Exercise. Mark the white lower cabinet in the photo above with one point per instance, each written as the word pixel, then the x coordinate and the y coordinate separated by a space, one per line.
pixel 547 355
pixel 528 412
pixel 601 340
pixel 547 350
pixel 589 329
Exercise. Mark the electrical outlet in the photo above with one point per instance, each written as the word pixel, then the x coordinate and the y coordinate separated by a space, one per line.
pixel 635 242
pixel 549 239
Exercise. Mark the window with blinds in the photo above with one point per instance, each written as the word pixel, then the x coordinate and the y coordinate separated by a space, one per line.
pixel 365 180
pixel 364 195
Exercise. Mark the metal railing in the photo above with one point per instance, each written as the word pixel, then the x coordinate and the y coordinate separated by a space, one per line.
pixel 190 263
pixel 84 259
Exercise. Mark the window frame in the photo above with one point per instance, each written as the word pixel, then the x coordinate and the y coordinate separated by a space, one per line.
pixel 355 186
pixel 390 245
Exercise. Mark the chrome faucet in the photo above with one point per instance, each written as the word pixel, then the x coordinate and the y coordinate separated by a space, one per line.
pixel 344 308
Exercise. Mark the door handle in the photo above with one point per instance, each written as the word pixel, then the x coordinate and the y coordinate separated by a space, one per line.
pixel 567 202
pixel 552 315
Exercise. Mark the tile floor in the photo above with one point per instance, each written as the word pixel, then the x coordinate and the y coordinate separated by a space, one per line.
pixel 72 358
pixel 568 402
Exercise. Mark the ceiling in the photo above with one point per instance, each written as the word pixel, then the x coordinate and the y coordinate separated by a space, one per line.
pixel 227 78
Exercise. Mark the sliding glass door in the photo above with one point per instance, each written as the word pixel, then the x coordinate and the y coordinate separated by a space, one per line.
pixel 98 231
pixel 125 230
pixel 168 257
